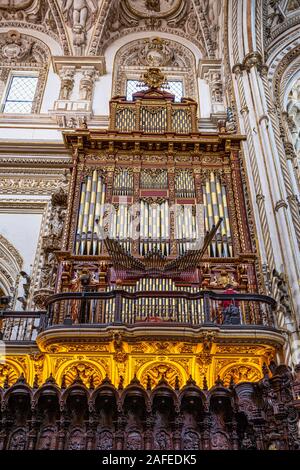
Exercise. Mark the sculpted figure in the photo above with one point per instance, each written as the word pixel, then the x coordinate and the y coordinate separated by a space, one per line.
pixel 80 10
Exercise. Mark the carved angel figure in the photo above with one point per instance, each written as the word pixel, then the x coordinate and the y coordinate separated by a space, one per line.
pixel 79 10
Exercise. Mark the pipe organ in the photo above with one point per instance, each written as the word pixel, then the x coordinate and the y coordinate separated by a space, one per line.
pixel 154 226
pixel 215 206
pixel 156 198
pixel 123 182
pixel 157 227
pixel 154 212
pixel 90 215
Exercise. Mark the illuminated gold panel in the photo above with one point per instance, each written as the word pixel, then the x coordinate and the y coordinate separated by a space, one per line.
pixel 150 361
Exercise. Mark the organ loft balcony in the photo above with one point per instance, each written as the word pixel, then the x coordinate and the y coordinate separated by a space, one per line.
pixel 157 257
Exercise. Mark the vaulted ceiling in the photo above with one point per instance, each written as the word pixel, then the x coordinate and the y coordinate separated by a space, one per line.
pixel 88 27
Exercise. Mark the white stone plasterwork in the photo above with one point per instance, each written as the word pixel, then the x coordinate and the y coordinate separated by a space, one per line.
pixel 174 59
pixel 11 263
pixel 19 52
pixel 43 16
pixel 190 22
pixel 78 75
pixel 212 72
pixel 276 211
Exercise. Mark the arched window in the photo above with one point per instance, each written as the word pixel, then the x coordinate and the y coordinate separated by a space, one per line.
pixel 24 62
pixel 175 60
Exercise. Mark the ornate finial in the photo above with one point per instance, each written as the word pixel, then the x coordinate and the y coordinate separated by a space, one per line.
pixel 148 386
pixel 21 379
pixel 63 381
pixel 135 381
pixel 154 78
pixel 36 381
pixel 50 380
pixel 91 382
pixel 265 370
pixel 219 382
pixel 77 379
pixel 121 383
pixel 177 384
pixel 6 383
pixel 106 380
pixel 205 385
pixel 231 383
pixel 190 381
pixel 163 380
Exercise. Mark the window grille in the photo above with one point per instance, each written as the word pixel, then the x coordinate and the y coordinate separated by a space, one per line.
pixel 20 95
pixel 173 86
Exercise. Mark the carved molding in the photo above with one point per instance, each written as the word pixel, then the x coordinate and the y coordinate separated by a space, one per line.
pixel 38 15
pixel 116 20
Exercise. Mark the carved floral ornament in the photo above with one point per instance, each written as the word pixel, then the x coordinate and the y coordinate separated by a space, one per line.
pixel 167 372
pixel 20 48
pixel 19 9
pixel 82 372
pixel 240 373
pixel 39 15
pixel 8 375
pixel 156 8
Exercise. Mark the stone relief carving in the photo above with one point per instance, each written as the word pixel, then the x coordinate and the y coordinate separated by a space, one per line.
pixel 22 52
pixel 159 8
pixel 11 263
pixel 275 14
pixel 292 5
pixel 283 292
pixel 67 82
pixel 177 17
pixel 51 242
pixel 25 10
pixel 281 15
pixel 80 16
pixel 156 53
pixel 15 47
pixel 40 15
pixel 212 10
pixel 134 58
pixel 87 83
pixel 293 116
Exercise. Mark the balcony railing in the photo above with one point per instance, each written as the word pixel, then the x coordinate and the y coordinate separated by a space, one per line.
pixel 119 306
pixel 149 308
pixel 21 326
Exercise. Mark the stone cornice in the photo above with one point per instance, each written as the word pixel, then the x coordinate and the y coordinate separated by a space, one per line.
pixel 36 149
pixel 98 62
